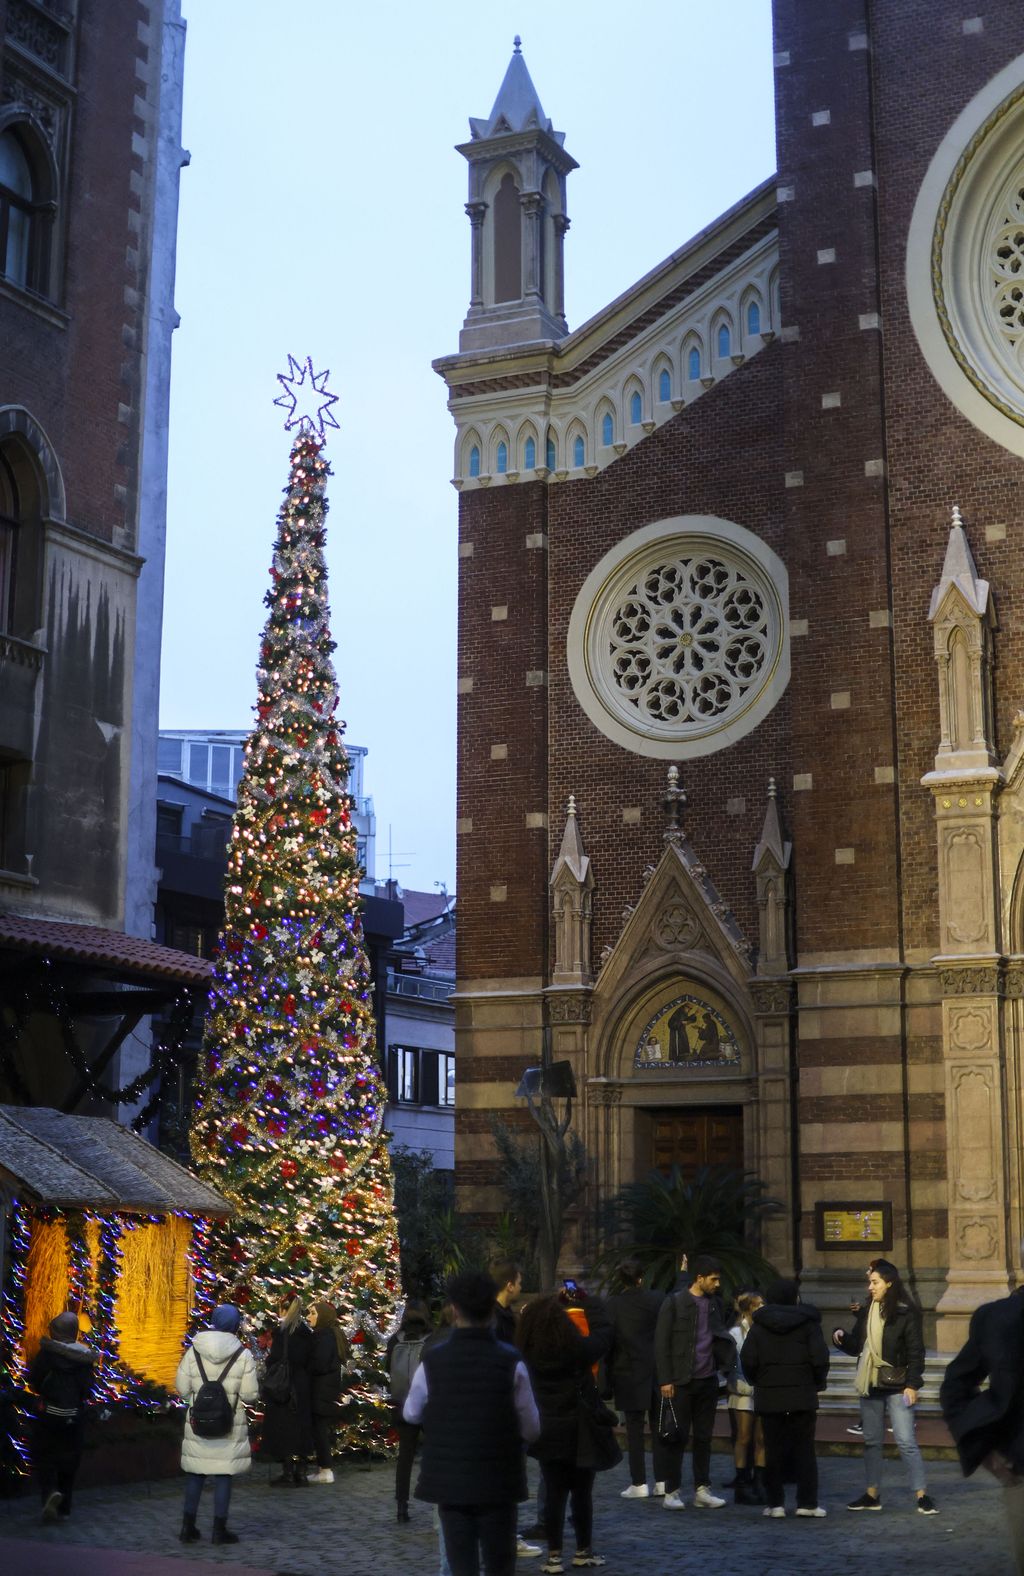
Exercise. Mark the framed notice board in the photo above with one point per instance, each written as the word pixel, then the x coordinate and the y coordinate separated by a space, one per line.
pixel 849 1227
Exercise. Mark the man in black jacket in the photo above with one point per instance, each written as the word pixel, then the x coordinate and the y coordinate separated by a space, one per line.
pixel 988 1424
pixel 786 1360
pixel 473 1396
pixel 61 1374
pixel 630 1364
pixel 690 1344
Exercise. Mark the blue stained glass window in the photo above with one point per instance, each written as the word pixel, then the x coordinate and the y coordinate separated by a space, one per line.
pixel 607 429
pixel 549 454
pixel 753 318
pixel 530 455
pixel 578 453
pixel 635 410
pixel 664 386
pixel 693 364
pixel 502 458
pixel 474 461
pixel 724 340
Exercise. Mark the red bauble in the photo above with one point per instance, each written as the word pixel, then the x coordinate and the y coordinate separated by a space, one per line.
pixel 288 1169
pixel 259 930
pixel 297 1253
pixel 353 1247
pixel 288 1006
pixel 359 1339
pixel 345 818
pixel 240 1031
pixel 338 1163
pixel 350 1201
pixel 318 1088
pixel 318 817
pixel 273 1089
pixel 276 1128
pixel 378 1191
pixel 239 1133
pixel 242 1295
pixel 309 1046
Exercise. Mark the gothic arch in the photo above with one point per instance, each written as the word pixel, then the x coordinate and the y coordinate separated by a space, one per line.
pixel 22 433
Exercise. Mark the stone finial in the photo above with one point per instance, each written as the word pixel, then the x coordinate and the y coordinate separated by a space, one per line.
pixel 673 804
pixel 571 809
pixel 517 45
pixel 771 788
pixel 957 520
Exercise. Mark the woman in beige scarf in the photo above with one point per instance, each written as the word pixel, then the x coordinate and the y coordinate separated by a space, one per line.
pixel 888 1343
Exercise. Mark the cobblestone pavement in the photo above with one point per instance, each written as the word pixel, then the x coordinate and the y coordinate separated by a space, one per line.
pixel 348 1529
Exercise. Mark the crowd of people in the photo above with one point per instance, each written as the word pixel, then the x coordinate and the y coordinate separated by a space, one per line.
pixel 485 1387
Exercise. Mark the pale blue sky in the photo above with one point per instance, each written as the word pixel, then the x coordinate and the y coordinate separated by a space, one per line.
pixel 323 213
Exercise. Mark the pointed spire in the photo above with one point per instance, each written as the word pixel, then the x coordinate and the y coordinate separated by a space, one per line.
pixel 959 570
pixel 772 842
pixel 572 852
pixel 517 106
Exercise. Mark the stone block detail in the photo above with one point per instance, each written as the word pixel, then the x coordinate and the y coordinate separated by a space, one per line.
pixel 821 117
pixel 465 549
pixel 465 686
pixel 631 815
pixel 884 774
pixel 499 614
pixel 794 478
pixel 845 856
pixel 869 320
pixel 536 678
pixel 802 782
pixel 879 618
pixel 736 806
pixel 826 254
pixel 874 467
pixel 499 752
pixel 836 548
pixel 536 539
pixel 797 627
pixel 972 24
pixel 499 892
pixel 536 820
pixel 839 700
pixel 864 178
pixel 996 532
pixel 463 824
pixel 831 401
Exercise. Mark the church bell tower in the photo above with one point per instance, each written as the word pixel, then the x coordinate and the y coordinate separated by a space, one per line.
pixel 517 174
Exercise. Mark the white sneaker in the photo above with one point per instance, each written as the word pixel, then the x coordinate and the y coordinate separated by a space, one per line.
pixel 526 1551
pixel 706 1500
pixel 658 1491
pixel 817 1511
pixel 777 1512
pixel 325 1475
pixel 674 1501
pixel 636 1491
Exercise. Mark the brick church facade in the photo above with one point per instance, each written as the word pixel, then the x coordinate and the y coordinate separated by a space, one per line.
pixel 741 663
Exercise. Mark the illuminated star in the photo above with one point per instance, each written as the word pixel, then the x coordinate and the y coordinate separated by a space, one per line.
pixel 305 397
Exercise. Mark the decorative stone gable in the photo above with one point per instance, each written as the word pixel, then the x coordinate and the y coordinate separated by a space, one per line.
pixel 771 870
pixel 572 882
pixel 962 619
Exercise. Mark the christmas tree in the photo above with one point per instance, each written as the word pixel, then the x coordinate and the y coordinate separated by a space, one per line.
pixel 290 1102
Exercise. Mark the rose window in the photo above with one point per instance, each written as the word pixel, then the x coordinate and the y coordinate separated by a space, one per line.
pixel 683 646
pixel 688 640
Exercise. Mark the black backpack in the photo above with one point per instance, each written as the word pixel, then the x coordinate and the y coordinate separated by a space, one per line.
pixel 211 1414
pixel 276 1385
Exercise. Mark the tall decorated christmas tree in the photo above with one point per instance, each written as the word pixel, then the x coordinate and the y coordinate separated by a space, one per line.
pixel 290 1102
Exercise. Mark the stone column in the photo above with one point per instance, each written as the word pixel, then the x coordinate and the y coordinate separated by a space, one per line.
pixel 476 211
pixel 532 204
pixel 561 224
pixel 773 1006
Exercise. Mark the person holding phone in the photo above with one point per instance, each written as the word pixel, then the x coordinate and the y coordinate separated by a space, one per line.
pixel 888 1342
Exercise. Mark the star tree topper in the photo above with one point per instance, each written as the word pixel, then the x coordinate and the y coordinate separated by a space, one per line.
pixel 305 397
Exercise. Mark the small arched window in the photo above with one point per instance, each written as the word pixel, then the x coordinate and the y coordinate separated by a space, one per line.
pixel 693 365
pixel 578 453
pixel 16 207
pixel 549 453
pixel 607 429
pixel 664 385
pixel 10 518
pixel 724 341
pixel 501 459
pixel 636 410
pixel 529 455
pixel 753 318
pixel 474 461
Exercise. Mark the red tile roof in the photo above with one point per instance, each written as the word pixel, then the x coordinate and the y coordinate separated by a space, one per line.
pixel 110 949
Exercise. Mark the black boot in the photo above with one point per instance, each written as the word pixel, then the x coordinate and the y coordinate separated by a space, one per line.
pixel 299 1477
pixel 759 1488
pixel 744 1493
pixel 189 1533
pixel 403 1510
pixel 221 1533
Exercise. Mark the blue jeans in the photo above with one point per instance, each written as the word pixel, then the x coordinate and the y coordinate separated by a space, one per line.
pixel 872 1416
pixel 221 1493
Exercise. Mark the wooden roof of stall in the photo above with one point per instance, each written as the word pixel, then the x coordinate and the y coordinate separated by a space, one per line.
pixel 91 1162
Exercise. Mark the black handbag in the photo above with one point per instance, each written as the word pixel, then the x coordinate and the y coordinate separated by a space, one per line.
pixel 668 1425
pixel 891 1377
pixel 594 1409
pixel 276 1385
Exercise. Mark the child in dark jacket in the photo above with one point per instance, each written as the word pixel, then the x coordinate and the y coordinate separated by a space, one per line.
pixel 786 1360
pixel 61 1374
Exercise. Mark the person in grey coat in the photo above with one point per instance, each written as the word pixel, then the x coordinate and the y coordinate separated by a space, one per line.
pixel 223 1458
pixel 630 1368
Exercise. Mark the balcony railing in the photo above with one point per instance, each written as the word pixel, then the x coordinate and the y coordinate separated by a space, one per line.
pixel 416 985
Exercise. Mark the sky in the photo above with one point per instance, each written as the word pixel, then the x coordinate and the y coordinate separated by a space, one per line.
pixel 322 214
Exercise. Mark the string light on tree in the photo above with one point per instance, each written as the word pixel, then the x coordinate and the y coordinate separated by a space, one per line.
pixel 290 1102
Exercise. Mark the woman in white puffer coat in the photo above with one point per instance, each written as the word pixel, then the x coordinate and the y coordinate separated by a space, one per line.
pixel 229 1455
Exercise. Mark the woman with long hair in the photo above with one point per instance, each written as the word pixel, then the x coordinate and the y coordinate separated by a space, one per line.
pixel 288 1418
pixel 330 1350
pixel 888 1342
pixel 749 1436
pixel 577 1437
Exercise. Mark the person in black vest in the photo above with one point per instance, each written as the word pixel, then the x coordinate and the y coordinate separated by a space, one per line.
pixel 472 1395
pixel 288 1425
pixel 634 1315
pixel 62 1375
pixel 987 1424
pixel 785 1358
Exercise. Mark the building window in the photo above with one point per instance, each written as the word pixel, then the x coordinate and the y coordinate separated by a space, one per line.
pixel 403 1075
pixel 168 820
pixel 168 757
pixel 474 461
pixel 724 341
pixel 693 365
pixel 502 459
pixel 199 764
pixel 10 513
pixel 578 453
pixel 753 318
pixel 445 1079
pixel 508 244
pixel 220 776
pixel 636 411
pixel 607 430
pixel 664 386
pixel 549 453
pixel 23 213
pixel 529 455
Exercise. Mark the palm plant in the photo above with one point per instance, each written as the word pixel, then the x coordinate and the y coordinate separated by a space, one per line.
pixel 717 1211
